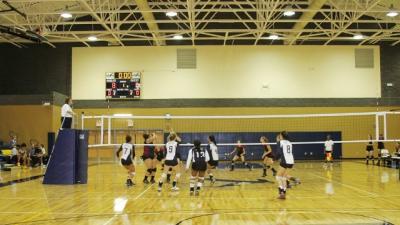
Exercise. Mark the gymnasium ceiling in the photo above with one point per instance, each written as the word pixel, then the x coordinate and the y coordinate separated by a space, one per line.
pixel 205 22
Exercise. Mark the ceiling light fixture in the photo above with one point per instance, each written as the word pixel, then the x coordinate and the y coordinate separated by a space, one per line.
pixel 92 38
pixel 273 37
pixel 358 36
pixel 66 15
pixel 171 13
pixel 177 37
pixel 289 11
pixel 392 12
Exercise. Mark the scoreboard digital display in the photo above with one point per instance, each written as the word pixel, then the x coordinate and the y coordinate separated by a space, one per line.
pixel 123 85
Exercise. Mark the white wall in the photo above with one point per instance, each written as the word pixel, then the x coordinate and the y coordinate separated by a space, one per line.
pixel 230 72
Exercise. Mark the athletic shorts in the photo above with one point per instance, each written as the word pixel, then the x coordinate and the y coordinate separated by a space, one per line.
pixel 171 162
pixel 269 155
pixel 213 163
pixel 369 148
pixel 160 157
pixel 148 157
pixel 126 162
pixel 286 166
pixel 199 166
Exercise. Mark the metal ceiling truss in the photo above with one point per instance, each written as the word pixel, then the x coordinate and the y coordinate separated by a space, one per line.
pixel 222 22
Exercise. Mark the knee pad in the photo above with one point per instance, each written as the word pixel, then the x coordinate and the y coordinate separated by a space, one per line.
pixel 268 167
pixel 132 174
pixel 178 175
pixel 149 170
pixel 192 178
pixel 201 179
pixel 170 169
pixel 154 170
pixel 163 175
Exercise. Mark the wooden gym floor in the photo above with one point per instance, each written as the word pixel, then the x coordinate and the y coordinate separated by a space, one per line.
pixel 349 193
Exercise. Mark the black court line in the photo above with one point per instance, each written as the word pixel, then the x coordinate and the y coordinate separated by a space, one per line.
pixel 11 182
pixel 230 183
pixel 216 212
pixel 379 222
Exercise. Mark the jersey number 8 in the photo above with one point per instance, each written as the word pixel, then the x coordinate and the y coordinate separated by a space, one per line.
pixel 288 149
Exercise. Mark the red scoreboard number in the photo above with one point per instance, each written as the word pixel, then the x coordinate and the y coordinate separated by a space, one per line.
pixel 123 85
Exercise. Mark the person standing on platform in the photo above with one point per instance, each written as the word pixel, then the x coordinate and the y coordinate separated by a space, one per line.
pixel 66 114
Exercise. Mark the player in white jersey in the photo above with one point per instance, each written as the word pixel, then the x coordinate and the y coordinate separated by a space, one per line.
pixel 198 158
pixel 127 158
pixel 213 153
pixel 328 150
pixel 172 160
pixel 285 155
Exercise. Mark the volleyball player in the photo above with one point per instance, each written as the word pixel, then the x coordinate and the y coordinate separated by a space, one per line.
pixel 285 155
pixel 328 150
pixel 127 158
pixel 369 150
pixel 267 157
pixel 149 157
pixel 240 153
pixel 213 153
pixel 381 146
pixel 172 160
pixel 160 155
pixel 198 157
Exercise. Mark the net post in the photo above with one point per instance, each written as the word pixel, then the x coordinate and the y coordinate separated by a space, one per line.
pixel 377 126
pixel 109 130
pixel 384 126
pixel 102 130
pixel 82 120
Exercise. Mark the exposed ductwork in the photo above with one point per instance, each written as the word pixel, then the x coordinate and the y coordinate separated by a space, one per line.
pixel 22 33
pixel 149 18
pixel 314 6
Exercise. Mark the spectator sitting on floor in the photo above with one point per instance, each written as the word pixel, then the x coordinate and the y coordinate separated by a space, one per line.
pixel 14 154
pixel 35 155
pixel 22 155
pixel 44 156
pixel 397 149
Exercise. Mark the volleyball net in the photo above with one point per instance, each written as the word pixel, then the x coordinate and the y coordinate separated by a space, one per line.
pixel 308 132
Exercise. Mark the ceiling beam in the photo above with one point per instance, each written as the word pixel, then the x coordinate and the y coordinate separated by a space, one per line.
pixel 148 16
pixel 307 16
pixel 126 21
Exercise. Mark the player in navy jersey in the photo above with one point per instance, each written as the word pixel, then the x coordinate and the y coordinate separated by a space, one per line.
pixel 149 157
pixel 284 153
pixel 213 153
pixel 127 158
pixel 370 150
pixel 172 160
pixel 267 157
pixel 240 155
pixel 198 157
